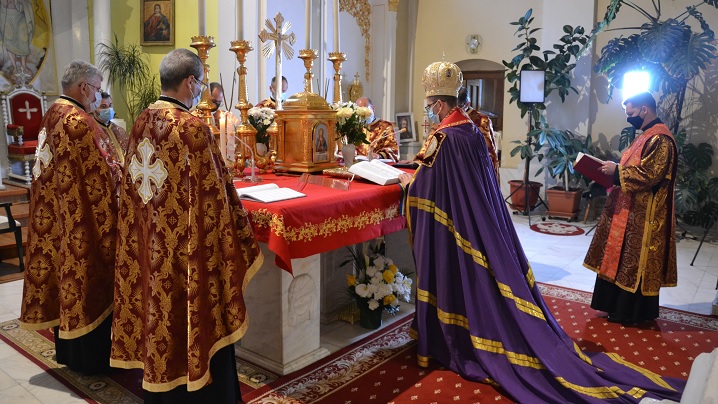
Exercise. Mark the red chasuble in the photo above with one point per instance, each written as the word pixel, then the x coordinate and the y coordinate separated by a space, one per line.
pixel 186 252
pixel 72 230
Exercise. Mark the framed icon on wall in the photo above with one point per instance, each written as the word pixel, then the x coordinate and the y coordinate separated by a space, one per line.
pixel 405 120
pixel 157 25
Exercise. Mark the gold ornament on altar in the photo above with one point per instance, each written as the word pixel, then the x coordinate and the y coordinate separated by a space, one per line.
pixel 442 78
pixel 356 90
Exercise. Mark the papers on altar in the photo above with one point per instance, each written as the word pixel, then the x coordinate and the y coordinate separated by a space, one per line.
pixel 268 193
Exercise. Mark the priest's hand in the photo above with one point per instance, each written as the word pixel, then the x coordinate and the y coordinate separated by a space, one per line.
pixel 404 179
pixel 609 167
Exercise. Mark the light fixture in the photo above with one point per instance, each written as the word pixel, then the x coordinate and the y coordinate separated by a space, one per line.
pixel 635 82
pixel 473 43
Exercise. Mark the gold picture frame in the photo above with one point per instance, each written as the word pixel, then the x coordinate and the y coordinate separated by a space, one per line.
pixel 157 25
pixel 320 143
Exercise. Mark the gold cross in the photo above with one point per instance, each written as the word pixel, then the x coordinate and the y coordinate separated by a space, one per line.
pixel 155 172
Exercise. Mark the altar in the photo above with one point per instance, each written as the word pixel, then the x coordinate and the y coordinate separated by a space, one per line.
pixel 300 286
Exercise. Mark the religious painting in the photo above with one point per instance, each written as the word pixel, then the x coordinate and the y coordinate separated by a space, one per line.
pixel 157 22
pixel 26 43
pixel 405 122
pixel 320 142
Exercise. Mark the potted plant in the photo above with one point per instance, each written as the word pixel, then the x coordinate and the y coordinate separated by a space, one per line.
pixel 127 67
pixel 557 65
pixel 564 200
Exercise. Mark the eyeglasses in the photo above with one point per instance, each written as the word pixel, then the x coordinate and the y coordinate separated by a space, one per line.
pixel 430 106
pixel 217 103
pixel 97 89
pixel 202 86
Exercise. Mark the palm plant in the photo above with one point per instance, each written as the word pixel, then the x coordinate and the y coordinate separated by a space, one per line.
pixel 128 68
pixel 668 49
pixel 674 54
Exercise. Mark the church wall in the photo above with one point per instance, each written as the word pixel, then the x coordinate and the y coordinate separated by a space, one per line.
pixel 442 27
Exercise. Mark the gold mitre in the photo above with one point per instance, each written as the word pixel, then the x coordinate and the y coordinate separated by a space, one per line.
pixel 442 78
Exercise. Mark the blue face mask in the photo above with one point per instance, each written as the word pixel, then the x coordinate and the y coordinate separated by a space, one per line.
pixel 433 117
pixel 106 114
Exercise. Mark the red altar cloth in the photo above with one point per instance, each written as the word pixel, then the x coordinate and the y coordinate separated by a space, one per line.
pixel 325 219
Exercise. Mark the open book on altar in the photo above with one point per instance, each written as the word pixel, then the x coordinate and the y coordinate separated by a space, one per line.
pixel 590 167
pixel 376 171
pixel 268 193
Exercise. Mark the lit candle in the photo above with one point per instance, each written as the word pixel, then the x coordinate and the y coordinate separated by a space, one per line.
pixel 308 28
pixel 223 135
pixel 202 19
pixel 336 25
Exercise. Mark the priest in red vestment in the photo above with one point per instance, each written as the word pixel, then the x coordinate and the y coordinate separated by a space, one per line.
pixel 186 251
pixel 633 250
pixel 380 135
pixel 72 230
pixel 271 102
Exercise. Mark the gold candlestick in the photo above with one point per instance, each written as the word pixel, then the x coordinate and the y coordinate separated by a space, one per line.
pixel 203 44
pixel 245 131
pixel 308 56
pixel 337 58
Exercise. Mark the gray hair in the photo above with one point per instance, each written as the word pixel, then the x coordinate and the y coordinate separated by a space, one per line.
pixel 77 71
pixel 177 65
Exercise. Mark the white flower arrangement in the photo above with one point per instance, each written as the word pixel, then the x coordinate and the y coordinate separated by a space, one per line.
pixel 350 122
pixel 377 282
pixel 260 119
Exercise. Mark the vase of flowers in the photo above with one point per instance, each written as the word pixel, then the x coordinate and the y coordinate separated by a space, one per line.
pixel 261 119
pixel 377 285
pixel 351 119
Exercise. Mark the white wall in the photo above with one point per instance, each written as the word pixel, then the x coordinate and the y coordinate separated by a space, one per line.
pixel 442 27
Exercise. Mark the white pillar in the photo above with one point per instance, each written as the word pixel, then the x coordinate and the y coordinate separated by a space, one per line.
pixel 102 32
pixel 383 58
pixel 263 79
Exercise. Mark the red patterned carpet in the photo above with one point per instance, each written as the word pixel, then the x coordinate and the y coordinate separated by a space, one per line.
pixel 382 368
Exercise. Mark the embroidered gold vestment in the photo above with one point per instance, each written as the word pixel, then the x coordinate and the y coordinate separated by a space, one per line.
pixel 483 122
pixel 646 249
pixel 186 252
pixel 381 138
pixel 71 238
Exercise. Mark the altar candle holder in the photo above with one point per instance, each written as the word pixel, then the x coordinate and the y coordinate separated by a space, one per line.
pixel 245 131
pixel 308 56
pixel 203 44
pixel 337 58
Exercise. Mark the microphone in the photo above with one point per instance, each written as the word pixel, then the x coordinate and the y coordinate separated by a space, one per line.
pixel 252 177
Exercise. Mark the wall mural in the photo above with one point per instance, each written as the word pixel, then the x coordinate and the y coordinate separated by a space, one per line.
pixel 26 45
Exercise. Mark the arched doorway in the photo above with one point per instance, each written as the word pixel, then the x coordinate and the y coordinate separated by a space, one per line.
pixel 484 80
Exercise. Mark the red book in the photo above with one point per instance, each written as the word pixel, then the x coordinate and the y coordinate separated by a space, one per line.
pixel 590 167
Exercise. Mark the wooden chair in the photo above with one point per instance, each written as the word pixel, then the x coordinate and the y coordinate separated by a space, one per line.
pixel 22 108
pixel 10 225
